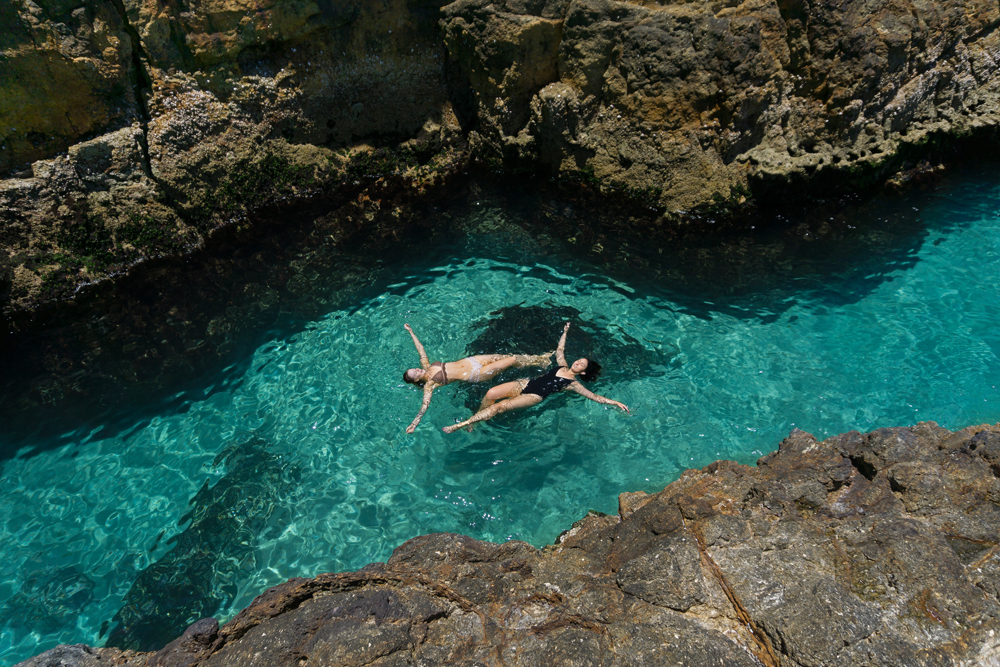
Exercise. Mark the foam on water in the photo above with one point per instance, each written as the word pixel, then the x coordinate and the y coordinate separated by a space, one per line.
pixel 79 524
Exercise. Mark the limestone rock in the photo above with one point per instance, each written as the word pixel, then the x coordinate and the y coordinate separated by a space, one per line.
pixel 67 74
pixel 243 105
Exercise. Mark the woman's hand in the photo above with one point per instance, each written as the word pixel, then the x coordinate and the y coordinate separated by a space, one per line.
pixel 411 428
pixel 620 405
pixel 561 347
pixel 407 327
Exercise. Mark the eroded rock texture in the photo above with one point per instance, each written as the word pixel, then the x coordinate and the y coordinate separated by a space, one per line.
pixel 131 129
pixel 876 549
pixel 204 112
pixel 694 102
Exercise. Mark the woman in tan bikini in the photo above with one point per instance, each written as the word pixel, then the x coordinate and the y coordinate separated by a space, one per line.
pixel 524 393
pixel 471 369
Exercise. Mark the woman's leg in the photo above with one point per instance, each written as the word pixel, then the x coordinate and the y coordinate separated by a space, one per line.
pixel 516 403
pixel 492 364
pixel 489 365
pixel 502 391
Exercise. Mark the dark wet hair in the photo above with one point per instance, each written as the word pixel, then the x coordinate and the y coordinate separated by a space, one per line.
pixel 406 377
pixel 591 372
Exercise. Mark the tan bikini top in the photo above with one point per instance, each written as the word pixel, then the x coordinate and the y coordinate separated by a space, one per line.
pixel 441 377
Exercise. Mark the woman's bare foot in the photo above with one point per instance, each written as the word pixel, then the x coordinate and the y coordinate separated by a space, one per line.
pixel 450 429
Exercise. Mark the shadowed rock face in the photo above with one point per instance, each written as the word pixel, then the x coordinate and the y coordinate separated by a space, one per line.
pixel 186 117
pixel 864 549
pixel 67 74
pixel 203 570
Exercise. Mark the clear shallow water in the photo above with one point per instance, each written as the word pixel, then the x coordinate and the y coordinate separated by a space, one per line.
pixel 320 475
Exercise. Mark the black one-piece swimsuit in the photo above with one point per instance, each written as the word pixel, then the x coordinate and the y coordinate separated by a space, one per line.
pixel 543 385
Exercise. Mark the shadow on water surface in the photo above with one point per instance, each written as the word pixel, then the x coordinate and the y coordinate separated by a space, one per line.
pixel 521 329
pixel 178 330
pixel 212 556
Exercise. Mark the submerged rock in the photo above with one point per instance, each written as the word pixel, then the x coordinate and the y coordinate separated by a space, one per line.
pixel 210 558
pixel 863 549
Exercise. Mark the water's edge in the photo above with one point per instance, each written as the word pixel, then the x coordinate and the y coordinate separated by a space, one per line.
pixel 893 530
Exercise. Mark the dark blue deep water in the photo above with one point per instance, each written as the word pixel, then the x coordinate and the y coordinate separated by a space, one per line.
pixel 295 461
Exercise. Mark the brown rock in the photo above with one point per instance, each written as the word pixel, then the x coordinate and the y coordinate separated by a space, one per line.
pixel 693 103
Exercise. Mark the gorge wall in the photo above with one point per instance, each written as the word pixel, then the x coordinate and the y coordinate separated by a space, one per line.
pixel 131 129
pixel 875 549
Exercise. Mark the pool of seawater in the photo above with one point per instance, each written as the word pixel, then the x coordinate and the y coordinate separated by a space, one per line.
pixel 297 462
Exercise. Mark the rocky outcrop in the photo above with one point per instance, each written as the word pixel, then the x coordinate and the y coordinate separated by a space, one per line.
pixel 228 107
pixel 689 103
pixel 179 118
pixel 67 74
pixel 875 549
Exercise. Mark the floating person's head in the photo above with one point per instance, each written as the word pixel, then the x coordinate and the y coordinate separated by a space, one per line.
pixel 587 369
pixel 415 376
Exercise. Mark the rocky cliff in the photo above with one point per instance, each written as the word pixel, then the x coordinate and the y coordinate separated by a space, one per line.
pixel 196 117
pixel 693 102
pixel 875 549
pixel 131 129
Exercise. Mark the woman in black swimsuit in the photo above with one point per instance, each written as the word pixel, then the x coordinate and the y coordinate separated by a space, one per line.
pixel 524 393
pixel 471 369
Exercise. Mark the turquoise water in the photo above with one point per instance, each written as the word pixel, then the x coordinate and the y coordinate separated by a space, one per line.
pixel 297 462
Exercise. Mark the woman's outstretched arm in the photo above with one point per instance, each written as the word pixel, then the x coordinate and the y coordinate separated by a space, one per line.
pixel 428 389
pixel 424 361
pixel 561 349
pixel 586 393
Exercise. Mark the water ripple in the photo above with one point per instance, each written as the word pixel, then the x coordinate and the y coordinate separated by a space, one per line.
pixel 708 376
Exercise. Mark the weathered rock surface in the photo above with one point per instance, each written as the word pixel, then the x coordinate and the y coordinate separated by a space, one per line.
pixel 179 118
pixel 232 106
pixel 875 549
pixel 687 103
pixel 67 73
